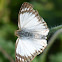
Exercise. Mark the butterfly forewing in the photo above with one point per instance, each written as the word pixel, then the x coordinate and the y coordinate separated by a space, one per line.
pixel 29 47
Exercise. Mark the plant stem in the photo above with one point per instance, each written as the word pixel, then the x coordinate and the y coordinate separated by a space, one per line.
pixel 51 41
pixel 6 54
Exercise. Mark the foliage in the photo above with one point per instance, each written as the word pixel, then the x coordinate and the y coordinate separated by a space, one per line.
pixel 56 57
pixel 50 10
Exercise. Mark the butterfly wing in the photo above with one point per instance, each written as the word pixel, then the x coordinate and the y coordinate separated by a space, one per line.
pixel 29 19
pixel 27 49
pixel 24 14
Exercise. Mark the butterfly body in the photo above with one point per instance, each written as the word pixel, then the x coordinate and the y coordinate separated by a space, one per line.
pixel 31 34
pixel 23 33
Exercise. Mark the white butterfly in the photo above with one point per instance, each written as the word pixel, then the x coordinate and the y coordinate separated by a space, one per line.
pixel 31 34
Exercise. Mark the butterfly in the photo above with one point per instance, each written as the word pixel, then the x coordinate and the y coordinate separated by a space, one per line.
pixel 32 34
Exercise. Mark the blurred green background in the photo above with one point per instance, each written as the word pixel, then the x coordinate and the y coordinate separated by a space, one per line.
pixel 50 10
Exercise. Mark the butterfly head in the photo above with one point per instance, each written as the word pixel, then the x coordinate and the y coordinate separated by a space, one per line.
pixel 17 33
